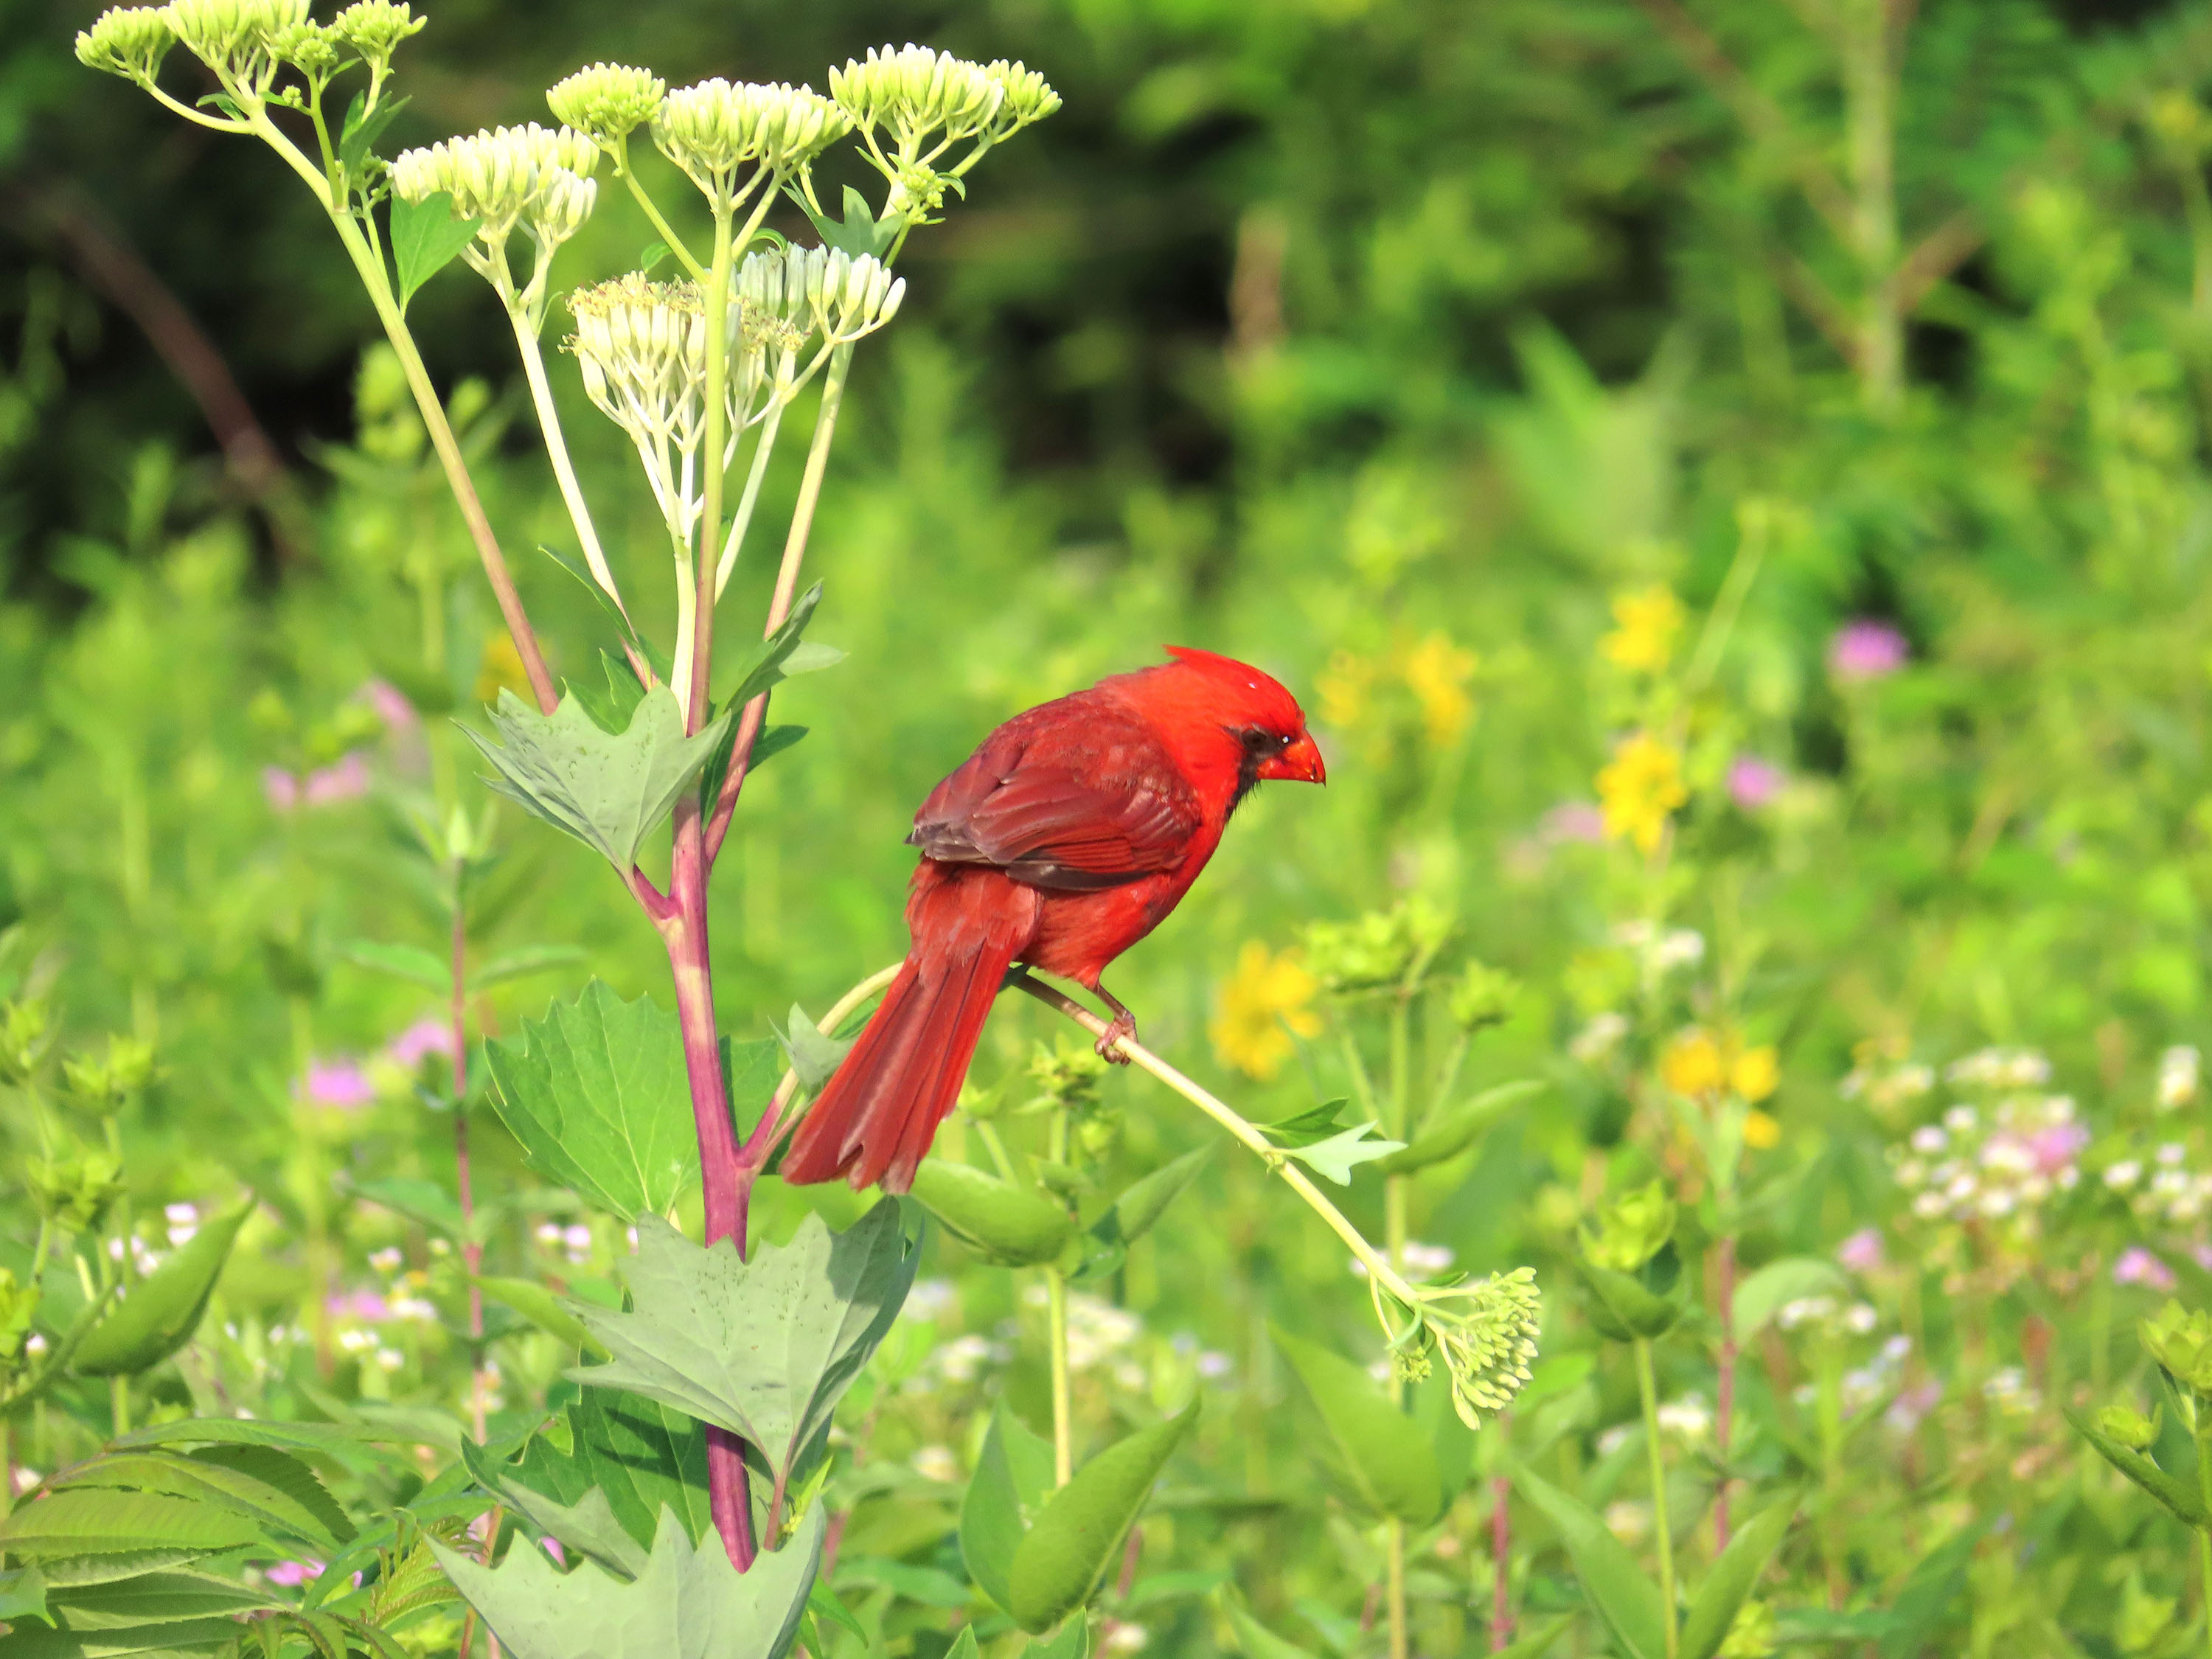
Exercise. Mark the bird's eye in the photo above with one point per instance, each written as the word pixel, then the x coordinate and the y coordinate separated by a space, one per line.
pixel 1286 740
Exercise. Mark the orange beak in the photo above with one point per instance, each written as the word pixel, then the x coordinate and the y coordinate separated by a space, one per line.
pixel 1300 763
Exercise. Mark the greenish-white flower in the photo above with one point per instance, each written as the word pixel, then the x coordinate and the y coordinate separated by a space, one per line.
pixel 375 28
pixel 716 128
pixel 533 176
pixel 234 36
pixel 847 297
pixel 126 40
pixel 608 101
pixel 1026 96
pixel 913 93
pixel 642 348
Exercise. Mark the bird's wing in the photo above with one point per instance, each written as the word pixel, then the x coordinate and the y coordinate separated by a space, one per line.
pixel 1076 795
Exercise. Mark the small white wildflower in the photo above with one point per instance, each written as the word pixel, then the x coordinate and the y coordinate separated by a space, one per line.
pixel 1961 1119
pixel 1859 1319
pixel 2124 1174
pixel 2178 1069
pixel 1125 1639
pixel 936 1463
pixel 1687 1417
pixel 386 1261
pixel 1930 1138
pixel 1598 1038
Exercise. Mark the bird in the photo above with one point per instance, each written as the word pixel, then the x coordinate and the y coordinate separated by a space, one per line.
pixel 1066 837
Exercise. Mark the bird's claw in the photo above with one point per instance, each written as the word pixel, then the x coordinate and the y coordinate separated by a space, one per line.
pixel 1109 1041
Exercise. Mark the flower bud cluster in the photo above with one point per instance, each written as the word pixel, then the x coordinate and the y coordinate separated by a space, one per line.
pixel 1489 1348
pixel 1630 1230
pixel 2181 1341
pixel 103 1083
pixel 715 128
pixel 1379 951
pixel 375 28
pixel 913 93
pixel 234 38
pixel 1025 95
pixel 74 1194
pixel 127 41
pixel 507 176
pixel 19 1304
pixel 1995 1167
pixel 608 101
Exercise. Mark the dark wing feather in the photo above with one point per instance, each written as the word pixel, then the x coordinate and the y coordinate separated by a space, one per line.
pixel 1077 795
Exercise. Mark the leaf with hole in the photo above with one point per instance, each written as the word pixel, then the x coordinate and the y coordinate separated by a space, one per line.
pixel 608 791
pixel 426 238
pixel 689 1602
pixel 763 1348
pixel 1384 1459
pixel 596 1092
pixel 158 1316
pixel 1058 1565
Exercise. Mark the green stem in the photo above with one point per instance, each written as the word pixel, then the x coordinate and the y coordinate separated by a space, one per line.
pixel 742 519
pixel 1648 1389
pixel 2201 1423
pixel 668 238
pixel 1394 1588
pixel 1056 1284
pixel 118 1403
pixel 556 451
pixel 1144 1059
pixel 988 1134
pixel 692 674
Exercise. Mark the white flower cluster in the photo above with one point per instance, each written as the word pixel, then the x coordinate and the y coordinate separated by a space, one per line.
pixel 2000 1068
pixel 1689 1417
pixel 962 1359
pixel 530 176
pixel 1661 951
pixel 1599 1038
pixel 2167 1190
pixel 1889 1089
pixel 1827 1314
pixel 2005 1164
pixel 574 1241
pixel 1419 1261
pixel 2011 1393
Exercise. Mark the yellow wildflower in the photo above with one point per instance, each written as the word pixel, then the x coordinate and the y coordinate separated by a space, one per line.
pixel 1756 1074
pixel 499 669
pixel 1344 686
pixel 1641 785
pixel 1694 1064
pixel 1436 672
pixel 1643 642
pixel 1268 997
pixel 1760 1130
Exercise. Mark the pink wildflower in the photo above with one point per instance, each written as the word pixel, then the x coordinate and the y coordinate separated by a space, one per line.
pixel 1572 820
pixel 339 1083
pixel 1864 649
pixel 2137 1266
pixel 347 780
pixel 291 1574
pixel 430 1035
pixel 391 705
pixel 280 788
pixel 1862 1252
pixel 1753 783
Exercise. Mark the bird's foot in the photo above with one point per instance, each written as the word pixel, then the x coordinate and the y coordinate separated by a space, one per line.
pixel 1123 1025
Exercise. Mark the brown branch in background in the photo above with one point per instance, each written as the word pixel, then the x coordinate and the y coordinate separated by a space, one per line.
pixel 1936 256
pixel 1760 115
pixel 1255 283
pixel 1826 313
pixel 107 262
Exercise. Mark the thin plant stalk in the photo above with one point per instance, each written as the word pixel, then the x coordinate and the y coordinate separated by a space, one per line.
pixel 564 470
pixel 1501 1549
pixel 1648 1390
pixel 1055 1289
pixel 2201 1423
pixel 464 1188
pixel 1395 1197
pixel 1724 1388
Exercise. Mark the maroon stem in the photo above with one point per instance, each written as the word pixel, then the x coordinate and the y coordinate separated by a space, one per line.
pixel 1724 1405
pixel 726 1188
pixel 471 1247
pixel 1501 1556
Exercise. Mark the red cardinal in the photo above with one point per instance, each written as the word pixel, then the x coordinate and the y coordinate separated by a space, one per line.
pixel 1061 843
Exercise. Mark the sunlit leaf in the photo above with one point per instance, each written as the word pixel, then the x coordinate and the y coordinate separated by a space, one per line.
pixel 1624 1597
pixel 1385 1459
pixel 1015 1226
pixel 1079 1535
pixel 158 1316
pixel 1013 1479
pixel 426 238
pixel 1335 1157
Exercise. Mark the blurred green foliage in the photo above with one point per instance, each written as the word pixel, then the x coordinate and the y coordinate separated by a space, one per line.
pixel 1411 350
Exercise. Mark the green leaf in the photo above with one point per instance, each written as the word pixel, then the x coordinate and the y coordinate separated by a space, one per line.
pixel 763 1348
pixel 768 664
pixel 1011 1226
pixel 607 791
pixel 2180 1496
pixel 596 1092
pixel 359 133
pixel 1335 1157
pixel 1922 1599
pixel 542 1307
pixel 1764 1294
pixel 1255 1638
pixel 860 231
pixel 268 1487
pixel 521 964
pixel 752 1072
pixel 1625 1598
pixel 212 1635
pixel 1135 1213
pixel 95 1521
pixel 426 238
pixel 646 1456
pixel 587 1525
pixel 1536 1643
pixel 1733 1576
pixel 654 253
pixel 22 1595
pixel 1385 1459
pixel 813 1055
pixel 1075 1538
pixel 932 1587
pixel 687 1603
pixel 421 1200
pixel 158 1316
pixel 1454 1129
pixel 1624 1307
pixel 408 962
pixel 655 658
pixel 1070 1641
pixel 1305 1128
pixel 1012 1480
pixel 329 1440
pixel 156 1598
pixel 613 706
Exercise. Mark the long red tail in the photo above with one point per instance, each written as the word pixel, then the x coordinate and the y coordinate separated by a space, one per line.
pixel 876 1116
